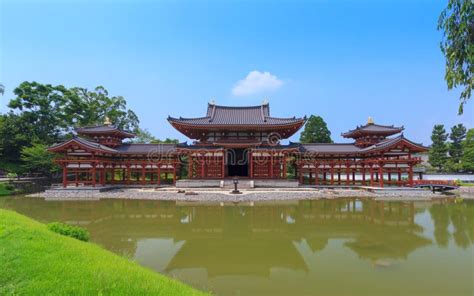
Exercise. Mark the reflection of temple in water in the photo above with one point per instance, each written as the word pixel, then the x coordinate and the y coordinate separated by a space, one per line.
pixel 249 238
pixel 282 248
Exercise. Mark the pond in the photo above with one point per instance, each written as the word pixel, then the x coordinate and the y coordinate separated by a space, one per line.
pixel 320 247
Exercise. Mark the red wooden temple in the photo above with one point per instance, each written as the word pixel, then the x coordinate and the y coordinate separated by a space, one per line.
pixel 242 142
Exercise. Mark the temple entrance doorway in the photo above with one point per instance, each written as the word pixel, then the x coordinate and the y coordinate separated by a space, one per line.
pixel 237 162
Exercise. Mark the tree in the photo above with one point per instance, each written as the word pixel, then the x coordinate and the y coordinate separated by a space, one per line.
pixel 84 107
pixel 2 89
pixel 315 131
pixel 41 108
pixel 455 149
pixel 457 23
pixel 15 133
pixel 38 160
pixel 439 150
pixel 467 160
pixel 165 141
pixel 45 114
pixel 143 136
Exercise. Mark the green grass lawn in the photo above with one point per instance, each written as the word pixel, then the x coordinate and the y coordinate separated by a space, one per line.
pixel 37 261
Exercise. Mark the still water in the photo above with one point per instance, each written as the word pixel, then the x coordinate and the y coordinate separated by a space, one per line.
pixel 324 247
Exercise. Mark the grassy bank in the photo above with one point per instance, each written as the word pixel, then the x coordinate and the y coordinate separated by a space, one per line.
pixel 37 261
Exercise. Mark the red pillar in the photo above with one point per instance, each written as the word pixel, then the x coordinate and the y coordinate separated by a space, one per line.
pixel 284 166
pixel 371 175
pixel 300 172
pixel 129 174
pixel 65 175
pixel 251 163
pixel 143 174
pixel 271 165
pixel 316 181
pixel 223 165
pixel 93 174
pixel 410 175
pixel 363 174
pixel 347 172
pixel 332 173
pixel 380 173
pixel 174 172
pixel 158 179
pixel 190 166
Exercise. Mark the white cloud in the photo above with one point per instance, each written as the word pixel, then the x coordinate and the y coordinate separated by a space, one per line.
pixel 256 82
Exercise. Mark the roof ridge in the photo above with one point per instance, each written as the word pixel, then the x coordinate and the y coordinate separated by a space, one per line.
pixel 327 144
pixel 187 118
pixel 213 113
pixel 239 107
pixel 262 114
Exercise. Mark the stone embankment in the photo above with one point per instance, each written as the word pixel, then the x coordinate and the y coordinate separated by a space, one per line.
pixel 215 195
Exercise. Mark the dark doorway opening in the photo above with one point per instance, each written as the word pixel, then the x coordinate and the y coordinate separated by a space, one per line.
pixel 237 163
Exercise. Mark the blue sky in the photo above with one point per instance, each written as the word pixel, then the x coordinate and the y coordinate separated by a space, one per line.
pixel 343 60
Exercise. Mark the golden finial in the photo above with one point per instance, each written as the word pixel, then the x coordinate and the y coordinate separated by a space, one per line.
pixel 107 121
pixel 370 120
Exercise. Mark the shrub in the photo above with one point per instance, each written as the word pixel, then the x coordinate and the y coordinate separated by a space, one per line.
pixel 12 176
pixel 4 189
pixel 69 230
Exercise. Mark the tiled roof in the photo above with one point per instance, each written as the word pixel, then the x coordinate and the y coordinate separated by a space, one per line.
pixel 329 148
pixel 393 141
pixel 87 143
pixel 321 148
pixel 146 148
pixel 104 129
pixel 227 115
pixel 373 128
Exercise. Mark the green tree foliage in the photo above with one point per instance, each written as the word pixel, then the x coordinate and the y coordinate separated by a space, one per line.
pixel 165 141
pixel 457 23
pixel 2 89
pixel 467 160
pixel 84 107
pixel 455 149
pixel 37 159
pixel 41 108
pixel 438 154
pixel 15 133
pixel 143 136
pixel 45 114
pixel 315 131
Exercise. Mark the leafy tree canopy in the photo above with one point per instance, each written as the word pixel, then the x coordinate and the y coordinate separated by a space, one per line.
pixel 457 23
pixel 37 159
pixel 44 114
pixel 144 136
pixel 315 131
pixel 165 141
pixel 86 107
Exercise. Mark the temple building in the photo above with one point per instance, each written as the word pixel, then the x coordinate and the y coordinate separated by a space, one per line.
pixel 242 142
